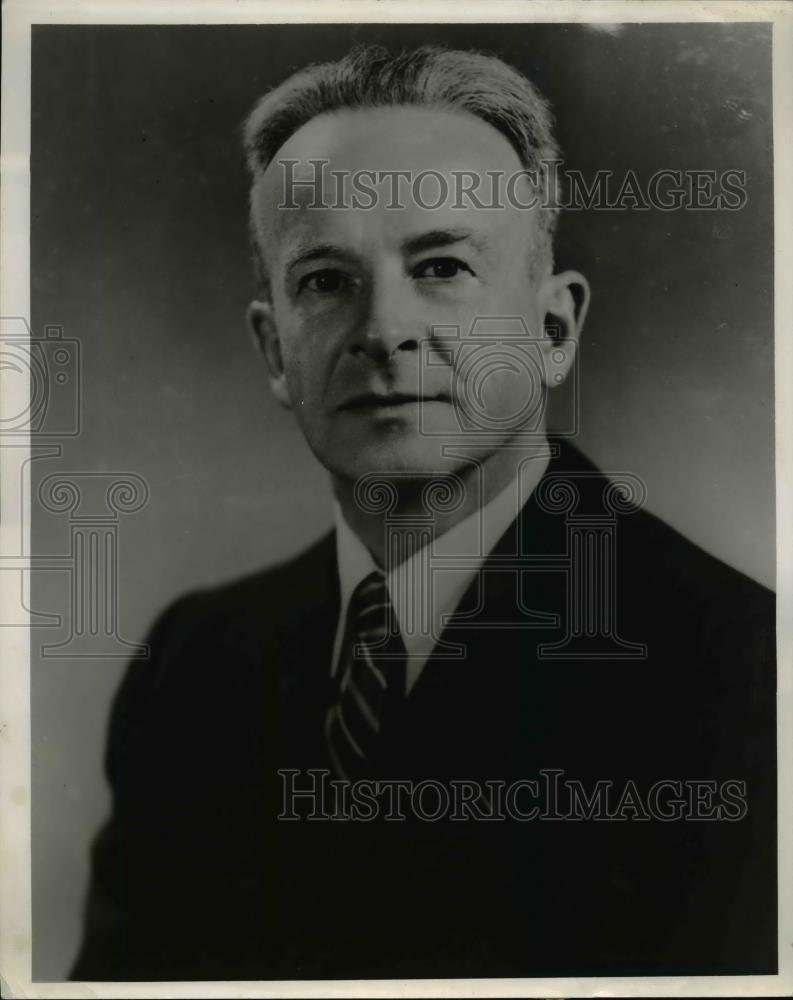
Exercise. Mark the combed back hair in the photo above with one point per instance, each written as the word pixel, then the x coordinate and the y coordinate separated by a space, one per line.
pixel 429 76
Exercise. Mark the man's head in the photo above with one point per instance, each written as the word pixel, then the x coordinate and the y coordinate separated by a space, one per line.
pixel 394 320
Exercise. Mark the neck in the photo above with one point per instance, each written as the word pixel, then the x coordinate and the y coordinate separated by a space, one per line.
pixel 482 480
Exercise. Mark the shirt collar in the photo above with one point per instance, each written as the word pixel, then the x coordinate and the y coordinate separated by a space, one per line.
pixel 470 541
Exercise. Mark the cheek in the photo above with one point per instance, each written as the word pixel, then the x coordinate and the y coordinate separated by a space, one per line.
pixel 514 391
pixel 304 353
pixel 500 384
pixel 304 374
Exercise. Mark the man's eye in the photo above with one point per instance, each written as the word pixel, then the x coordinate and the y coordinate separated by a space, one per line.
pixel 441 268
pixel 324 282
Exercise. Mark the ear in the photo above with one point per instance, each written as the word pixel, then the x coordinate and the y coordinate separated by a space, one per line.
pixel 564 301
pixel 261 323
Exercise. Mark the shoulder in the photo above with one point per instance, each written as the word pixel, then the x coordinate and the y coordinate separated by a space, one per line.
pixel 663 575
pixel 213 654
pixel 645 535
pixel 264 597
pixel 230 629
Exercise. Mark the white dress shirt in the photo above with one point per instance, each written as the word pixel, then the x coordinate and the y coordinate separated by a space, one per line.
pixel 470 542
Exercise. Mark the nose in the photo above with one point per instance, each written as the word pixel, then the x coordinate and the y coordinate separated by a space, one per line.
pixel 387 324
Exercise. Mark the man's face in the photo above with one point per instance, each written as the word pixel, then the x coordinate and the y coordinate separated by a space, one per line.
pixel 358 294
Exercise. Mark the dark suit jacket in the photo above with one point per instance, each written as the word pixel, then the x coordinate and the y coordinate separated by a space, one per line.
pixel 194 877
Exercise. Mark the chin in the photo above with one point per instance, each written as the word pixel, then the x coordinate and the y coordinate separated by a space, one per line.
pixel 400 455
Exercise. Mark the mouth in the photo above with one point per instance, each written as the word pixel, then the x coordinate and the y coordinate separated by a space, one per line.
pixel 391 400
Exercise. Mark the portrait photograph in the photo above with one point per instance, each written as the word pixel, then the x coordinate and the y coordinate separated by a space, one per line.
pixel 395 436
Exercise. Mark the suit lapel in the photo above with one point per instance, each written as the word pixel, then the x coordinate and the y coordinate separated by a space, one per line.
pixel 488 710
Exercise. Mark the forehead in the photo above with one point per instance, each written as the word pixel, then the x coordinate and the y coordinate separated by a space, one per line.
pixel 402 137
pixel 369 146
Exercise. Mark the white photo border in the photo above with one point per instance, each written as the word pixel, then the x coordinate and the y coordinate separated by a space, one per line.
pixel 15 776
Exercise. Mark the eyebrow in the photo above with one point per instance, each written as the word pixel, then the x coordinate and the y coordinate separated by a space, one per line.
pixel 305 253
pixel 441 238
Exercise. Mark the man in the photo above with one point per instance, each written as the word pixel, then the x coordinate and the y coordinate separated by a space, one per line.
pixel 489 618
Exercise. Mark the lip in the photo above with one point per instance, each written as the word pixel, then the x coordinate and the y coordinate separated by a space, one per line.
pixel 388 400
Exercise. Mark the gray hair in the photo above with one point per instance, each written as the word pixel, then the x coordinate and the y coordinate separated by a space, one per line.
pixel 429 76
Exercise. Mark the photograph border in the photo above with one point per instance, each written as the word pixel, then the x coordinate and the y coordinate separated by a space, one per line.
pixel 15 742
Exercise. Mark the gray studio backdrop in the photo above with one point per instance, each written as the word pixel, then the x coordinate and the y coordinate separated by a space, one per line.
pixel 140 255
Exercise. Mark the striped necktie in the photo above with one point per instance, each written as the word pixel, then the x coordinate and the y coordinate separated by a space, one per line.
pixel 372 681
